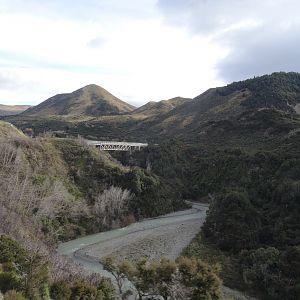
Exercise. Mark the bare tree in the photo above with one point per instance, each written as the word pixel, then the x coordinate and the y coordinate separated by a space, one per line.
pixel 111 204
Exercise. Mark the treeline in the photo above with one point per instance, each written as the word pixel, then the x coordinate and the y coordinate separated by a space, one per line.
pixel 254 212
pixel 255 215
pixel 279 90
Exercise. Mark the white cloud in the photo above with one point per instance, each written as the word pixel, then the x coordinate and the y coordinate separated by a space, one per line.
pixel 260 36
pixel 137 59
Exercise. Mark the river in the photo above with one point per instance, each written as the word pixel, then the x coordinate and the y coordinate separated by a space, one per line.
pixel 164 236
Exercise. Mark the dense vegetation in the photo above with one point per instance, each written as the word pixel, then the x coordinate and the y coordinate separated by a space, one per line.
pixel 186 278
pixel 236 147
pixel 55 190
pixel 280 90
pixel 25 275
pixel 253 187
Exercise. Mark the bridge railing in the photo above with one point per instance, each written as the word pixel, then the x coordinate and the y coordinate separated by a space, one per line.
pixel 117 146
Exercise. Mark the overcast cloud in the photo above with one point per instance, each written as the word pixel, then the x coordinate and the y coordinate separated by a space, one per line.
pixel 261 36
pixel 142 50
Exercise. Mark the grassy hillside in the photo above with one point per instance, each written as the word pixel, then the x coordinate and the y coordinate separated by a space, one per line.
pixel 9 130
pixel 91 100
pixel 184 119
pixel 153 108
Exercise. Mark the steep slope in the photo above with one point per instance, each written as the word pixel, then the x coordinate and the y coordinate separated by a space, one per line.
pixel 8 110
pixel 91 100
pixel 280 91
pixel 9 130
pixel 153 108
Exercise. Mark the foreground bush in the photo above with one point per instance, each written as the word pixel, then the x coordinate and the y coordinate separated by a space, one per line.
pixel 186 278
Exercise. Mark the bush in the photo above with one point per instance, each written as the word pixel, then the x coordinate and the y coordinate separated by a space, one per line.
pixel 9 281
pixel 60 291
pixel 13 295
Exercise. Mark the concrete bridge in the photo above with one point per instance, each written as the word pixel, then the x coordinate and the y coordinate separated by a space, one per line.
pixel 116 146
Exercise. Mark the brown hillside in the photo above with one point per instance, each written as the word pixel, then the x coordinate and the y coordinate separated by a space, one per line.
pixel 91 100
pixel 157 108
pixel 8 110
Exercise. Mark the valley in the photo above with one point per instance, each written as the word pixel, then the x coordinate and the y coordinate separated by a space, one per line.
pixel 234 148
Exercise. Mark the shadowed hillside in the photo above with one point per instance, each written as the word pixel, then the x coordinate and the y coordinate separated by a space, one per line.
pixel 279 91
pixel 181 118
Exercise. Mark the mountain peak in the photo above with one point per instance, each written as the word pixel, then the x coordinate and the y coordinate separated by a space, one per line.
pixel 90 100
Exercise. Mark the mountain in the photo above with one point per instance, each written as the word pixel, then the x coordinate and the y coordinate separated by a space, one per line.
pixel 153 108
pixel 8 110
pixel 259 102
pixel 91 100
pixel 278 91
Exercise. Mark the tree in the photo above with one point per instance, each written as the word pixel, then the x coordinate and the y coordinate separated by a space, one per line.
pixel 261 269
pixel 22 270
pixel 184 279
pixel 82 290
pixel 111 204
pixel 60 291
pixel 201 278
pixel 120 271
pixel 153 278
pixel 232 221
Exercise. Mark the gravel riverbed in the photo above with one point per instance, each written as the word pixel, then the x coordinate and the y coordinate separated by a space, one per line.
pixel 163 241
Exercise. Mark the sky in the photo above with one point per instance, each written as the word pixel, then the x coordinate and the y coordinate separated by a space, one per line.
pixel 142 50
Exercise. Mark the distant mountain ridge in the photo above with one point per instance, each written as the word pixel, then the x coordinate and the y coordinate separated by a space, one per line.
pixel 8 110
pixel 160 107
pixel 177 117
pixel 91 100
pixel 280 91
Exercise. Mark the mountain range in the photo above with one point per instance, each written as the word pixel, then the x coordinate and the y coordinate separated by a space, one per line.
pixel 92 111
pixel 8 110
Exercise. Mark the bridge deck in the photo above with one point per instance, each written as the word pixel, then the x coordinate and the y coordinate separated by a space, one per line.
pixel 117 146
